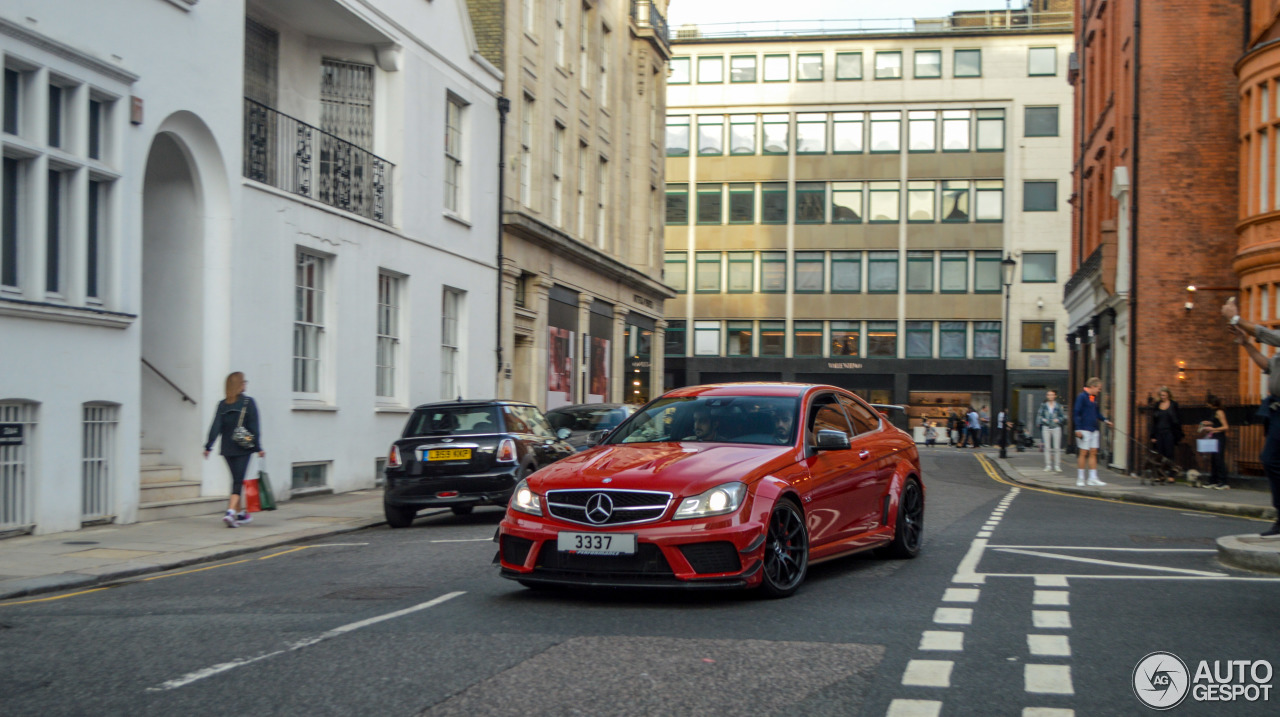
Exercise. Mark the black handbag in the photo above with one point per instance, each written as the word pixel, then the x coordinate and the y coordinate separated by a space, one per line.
pixel 241 435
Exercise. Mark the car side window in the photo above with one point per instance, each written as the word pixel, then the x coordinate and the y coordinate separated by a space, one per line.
pixel 864 419
pixel 515 422
pixel 537 422
pixel 827 416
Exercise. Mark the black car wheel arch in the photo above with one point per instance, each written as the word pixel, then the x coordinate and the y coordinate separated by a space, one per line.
pixel 908 530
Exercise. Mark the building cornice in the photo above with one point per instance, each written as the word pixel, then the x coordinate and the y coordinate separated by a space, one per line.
pixel 31 37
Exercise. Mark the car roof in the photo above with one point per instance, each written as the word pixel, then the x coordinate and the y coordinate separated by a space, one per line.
pixel 592 406
pixel 749 388
pixel 472 402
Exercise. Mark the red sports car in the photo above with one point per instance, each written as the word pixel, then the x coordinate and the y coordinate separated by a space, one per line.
pixel 720 486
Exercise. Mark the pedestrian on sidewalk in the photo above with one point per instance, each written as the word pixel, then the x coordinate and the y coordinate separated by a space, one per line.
pixel 984 416
pixel 1216 429
pixel 1270 408
pixel 231 418
pixel 930 434
pixel 1165 427
pixel 1051 418
pixel 1086 418
pixel 972 429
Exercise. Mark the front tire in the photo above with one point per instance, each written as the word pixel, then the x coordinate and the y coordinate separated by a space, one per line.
pixel 786 551
pixel 908 531
pixel 397 516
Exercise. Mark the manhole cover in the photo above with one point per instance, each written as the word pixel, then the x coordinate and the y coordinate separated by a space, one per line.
pixel 374 593
pixel 79 542
pixel 1157 539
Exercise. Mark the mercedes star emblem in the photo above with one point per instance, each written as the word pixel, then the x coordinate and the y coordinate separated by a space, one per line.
pixel 599 508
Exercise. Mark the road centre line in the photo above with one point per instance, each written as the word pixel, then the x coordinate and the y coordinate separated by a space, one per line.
pixel 1120 550
pixel 465 540
pixel 1096 561
pixel 336 632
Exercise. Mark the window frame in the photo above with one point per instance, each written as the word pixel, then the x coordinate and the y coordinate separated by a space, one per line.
pixel 735 329
pixel 682 191
pixel 765 123
pixel 982 117
pixel 772 328
pixel 843 327
pixel 764 67
pixel 707 328
pixel 754 124
pixel 710 59
pixel 955 61
pixel 839 189
pixel 917 329
pixel 388 331
pixel 810 122
pixel 887 54
pixel 919 258
pixel 985 328
pixel 673 259
pixel 455 108
pixel 688 131
pixel 707 260
pixel 882 187
pixel 987 187
pixel 708 190
pixel 740 259
pixel 1031 61
pixel 674 73
pixel 1028 195
pixel 804 329
pixel 1051 258
pixel 800 56
pixel 675 331
pixel 839 119
pixel 814 264
pixel 805 194
pixel 741 189
pixel 953 257
pixel 884 119
pixel 774 190
pixel 842 258
pixel 770 259
pixel 840 78
pixel 1052 332
pixel 1027 121
pixel 990 261
pixel 755 68
pixel 915 64
pixel 883 257
pixel 310 318
pixel 915 189
pixel 885 328
pixel 952 328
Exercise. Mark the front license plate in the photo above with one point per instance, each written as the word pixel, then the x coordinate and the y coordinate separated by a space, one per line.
pixel 597 543
pixel 449 454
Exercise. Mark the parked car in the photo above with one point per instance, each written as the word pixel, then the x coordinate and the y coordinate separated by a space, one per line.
pixel 585 419
pixel 460 454
pixel 721 486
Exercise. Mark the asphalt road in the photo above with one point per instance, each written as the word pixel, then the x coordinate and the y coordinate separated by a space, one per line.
pixel 416 621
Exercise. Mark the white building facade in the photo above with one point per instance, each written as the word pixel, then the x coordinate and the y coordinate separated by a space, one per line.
pixel 302 191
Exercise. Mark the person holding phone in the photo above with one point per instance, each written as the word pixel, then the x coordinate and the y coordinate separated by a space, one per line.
pixel 1270 407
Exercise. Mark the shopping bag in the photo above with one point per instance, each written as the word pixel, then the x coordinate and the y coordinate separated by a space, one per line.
pixel 1206 445
pixel 252 500
pixel 266 499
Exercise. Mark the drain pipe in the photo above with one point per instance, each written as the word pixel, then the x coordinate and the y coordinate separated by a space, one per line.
pixel 1134 185
pixel 504 106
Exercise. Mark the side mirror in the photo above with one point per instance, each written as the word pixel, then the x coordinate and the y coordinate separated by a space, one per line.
pixel 594 437
pixel 833 441
pixel 563 433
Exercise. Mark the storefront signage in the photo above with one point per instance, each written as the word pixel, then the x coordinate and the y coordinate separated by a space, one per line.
pixel 844 365
pixel 10 434
pixel 642 300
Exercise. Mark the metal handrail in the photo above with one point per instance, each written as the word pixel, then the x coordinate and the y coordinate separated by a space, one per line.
pixel 645 14
pixel 185 397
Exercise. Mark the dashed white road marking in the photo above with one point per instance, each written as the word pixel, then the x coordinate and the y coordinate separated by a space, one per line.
pixel 967 571
pixel 465 540
pixel 984 534
pixel 942 641
pixel 914 708
pixel 1110 563
pixel 1047 712
pixel 953 615
pixel 1051 581
pixel 1048 679
pixel 1049 645
pixel 1050 618
pixel 961 595
pixel 1051 597
pixel 928 673
pixel 1119 550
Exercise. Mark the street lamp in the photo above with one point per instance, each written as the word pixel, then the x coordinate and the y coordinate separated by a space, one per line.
pixel 1007 266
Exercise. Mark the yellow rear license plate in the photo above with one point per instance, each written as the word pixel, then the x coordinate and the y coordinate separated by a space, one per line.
pixel 449 454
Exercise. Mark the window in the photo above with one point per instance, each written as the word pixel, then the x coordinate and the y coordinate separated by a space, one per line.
pixel 450 343
pixel 811 133
pixel 809 67
pixel 773 272
pixel 98 459
pixel 1037 336
pixel 806 339
pixel 928 64
pixel 919 272
pixel 742 134
pixel 678 74
pixel 1042 61
pixel 1039 267
pixel 602 199
pixel 453 155
pixel 55 228
pixel 675 271
pixel 773 203
pixel 1040 122
pixel 889 65
pixel 584 50
pixel 677 204
pixel 57 111
pixel 711 134
pixel 526 151
pixel 742 268
pixel 955 130
pixel 990 130
pixel 952 339
pixel 846 272
pixel 921 200
pixel 388 333
pixel 1040 196
pixel 93 239
pixel 710 203
pixel 810 269
pixel 845 338
pixel 559 33
pixel 11 201
pixel 707 272
pixel 777 68
pixel 521 297
pixel 706 338
pixel 988 204
pixel 846 132
pixel 678 136
pixel 883 202
pixel 710 70
pixel 775 129
pixel 346 101
pixel 95 129
pixel 986 339
pixel 742 203
pixel 582 193
pixel 309 477
pixel 811 202
pixel 530 15
pixel 740 338
pixel 922 131
pixel 986 272
pixel 742 68
pixel 954 272
pixel 308 325
pixel 968 63
pixel 882 339
pixel 674 339
pixel 846 202
pixel 955 201
pixel 557 175
pixel 919 339
pixel 886 132
pixel 882 272
pixel 606 44
pixel 12 100
pixel 773 338
pixel 848 65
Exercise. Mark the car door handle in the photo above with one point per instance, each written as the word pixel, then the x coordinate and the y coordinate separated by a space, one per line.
pixel 864 455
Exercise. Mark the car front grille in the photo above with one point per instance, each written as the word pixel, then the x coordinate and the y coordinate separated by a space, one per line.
pixel 624 506
pixel 647 561
pixel 515 550
pixel 716 557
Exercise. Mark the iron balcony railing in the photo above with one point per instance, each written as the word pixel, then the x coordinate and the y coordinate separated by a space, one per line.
pixel 644 14
pixel 290 154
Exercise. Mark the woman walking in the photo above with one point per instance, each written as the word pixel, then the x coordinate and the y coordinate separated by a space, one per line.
pixel 1217 430
pixel 235 423
pixel 1051 418
pixel 1166 426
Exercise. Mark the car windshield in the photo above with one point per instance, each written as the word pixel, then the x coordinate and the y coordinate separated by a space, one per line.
pixel 452 420
pixel 761 420
pixel 597 418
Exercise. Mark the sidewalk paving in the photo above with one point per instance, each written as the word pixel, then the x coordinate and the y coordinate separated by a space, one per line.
pixel 32 564
pixel 1249 550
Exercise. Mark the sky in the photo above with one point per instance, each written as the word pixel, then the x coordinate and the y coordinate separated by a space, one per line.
pixel 718 11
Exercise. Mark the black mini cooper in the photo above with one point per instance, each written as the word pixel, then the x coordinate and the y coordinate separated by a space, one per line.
pixel 461 454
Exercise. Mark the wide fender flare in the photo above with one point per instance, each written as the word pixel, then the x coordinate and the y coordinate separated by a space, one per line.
pixel 899 479
pixel 768 491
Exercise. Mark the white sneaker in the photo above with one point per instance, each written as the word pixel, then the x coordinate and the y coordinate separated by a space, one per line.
pixel 230 520
pixel 1080 482
pixel 1058 469
pixel 1047 469
pixel 243 517
pixel 1095 481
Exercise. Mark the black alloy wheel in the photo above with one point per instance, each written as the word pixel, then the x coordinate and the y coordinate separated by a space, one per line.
pixel 786 551
pixel 908 533
pixel 397 516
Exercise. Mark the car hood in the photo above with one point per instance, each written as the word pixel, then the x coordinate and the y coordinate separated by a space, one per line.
pixel 683 468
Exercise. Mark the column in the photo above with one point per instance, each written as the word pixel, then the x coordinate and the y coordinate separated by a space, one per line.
pixel 581 373
pixel 657 357
pixel 506 341
pixel 539 358
pixel 620 383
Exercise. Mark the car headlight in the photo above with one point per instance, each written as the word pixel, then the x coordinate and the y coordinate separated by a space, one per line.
pixel 717 501
pixel 525 500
